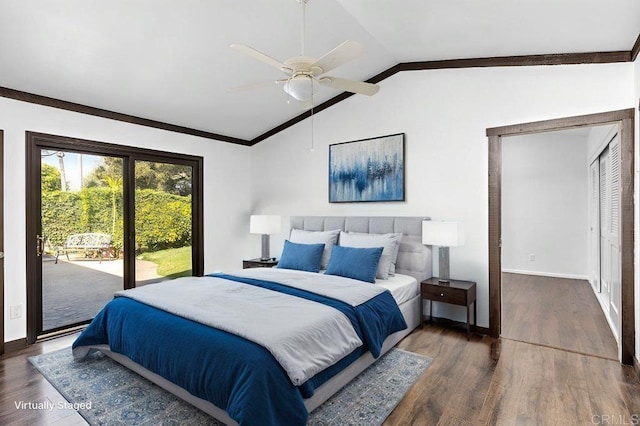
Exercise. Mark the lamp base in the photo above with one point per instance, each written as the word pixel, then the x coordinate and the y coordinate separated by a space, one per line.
pixel 265 248
pixel 443 255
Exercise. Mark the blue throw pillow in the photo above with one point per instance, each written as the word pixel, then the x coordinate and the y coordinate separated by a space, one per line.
pixel 302 257
pixel 357 263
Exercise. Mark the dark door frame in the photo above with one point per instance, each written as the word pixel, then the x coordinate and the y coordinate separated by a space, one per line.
pixel 625 119
pixel 37 141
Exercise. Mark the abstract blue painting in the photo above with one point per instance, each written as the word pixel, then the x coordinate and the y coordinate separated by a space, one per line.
pixel 367 170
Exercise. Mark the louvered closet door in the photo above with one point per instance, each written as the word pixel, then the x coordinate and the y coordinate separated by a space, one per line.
pixel 610 272
pixel 614 232
pixel 594 225
pixel 605 269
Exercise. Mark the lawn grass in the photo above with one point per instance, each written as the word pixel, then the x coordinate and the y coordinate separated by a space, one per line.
pixel 172 263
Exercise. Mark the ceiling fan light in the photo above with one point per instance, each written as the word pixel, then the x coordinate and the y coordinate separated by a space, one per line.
pixel 300 87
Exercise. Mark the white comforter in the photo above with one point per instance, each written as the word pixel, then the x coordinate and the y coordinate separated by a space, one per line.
pixel 303 336
pixel 350 291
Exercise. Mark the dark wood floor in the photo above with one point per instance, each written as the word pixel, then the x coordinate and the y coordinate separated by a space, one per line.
pixel 20 381
pixel 477 382
pixel 505 382
pixel 556 312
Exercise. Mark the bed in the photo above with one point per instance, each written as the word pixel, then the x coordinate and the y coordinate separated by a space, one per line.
pixel 144 337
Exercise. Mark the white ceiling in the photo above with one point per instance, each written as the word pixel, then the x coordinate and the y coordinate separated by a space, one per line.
pixel 170 61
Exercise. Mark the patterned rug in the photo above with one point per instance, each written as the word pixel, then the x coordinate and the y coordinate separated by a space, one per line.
pixel 106 393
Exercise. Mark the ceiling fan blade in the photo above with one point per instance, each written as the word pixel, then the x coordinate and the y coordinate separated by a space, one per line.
pixel 253 86
pixel 344 53
pixel 262 57
pixel 350 85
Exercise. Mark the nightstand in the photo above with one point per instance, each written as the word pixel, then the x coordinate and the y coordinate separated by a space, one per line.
pixel 455 292
pixel 258 263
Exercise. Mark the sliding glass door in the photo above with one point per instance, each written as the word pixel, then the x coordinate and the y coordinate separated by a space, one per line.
pixel 163 227
pixel 81 240
pixel 102 218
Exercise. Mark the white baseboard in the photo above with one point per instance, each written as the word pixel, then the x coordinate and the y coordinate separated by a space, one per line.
pixel 546 274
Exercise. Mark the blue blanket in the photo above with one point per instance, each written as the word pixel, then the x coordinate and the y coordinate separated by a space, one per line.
pixel 234 374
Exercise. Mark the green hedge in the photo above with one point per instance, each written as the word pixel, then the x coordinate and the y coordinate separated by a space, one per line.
pixel 162 220
pixel 61 216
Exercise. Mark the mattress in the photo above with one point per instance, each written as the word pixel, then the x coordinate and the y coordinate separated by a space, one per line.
pixel 402 287
pixel 410 311
pixel 226 374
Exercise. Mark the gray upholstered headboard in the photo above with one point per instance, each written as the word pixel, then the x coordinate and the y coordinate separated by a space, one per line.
pixel 413 258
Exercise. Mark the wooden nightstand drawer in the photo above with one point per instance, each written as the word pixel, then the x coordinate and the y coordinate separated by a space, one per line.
pixel 441 293
pixel 258 263
pixel 455 292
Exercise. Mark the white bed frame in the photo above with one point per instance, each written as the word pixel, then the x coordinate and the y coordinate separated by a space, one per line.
pixel 413 259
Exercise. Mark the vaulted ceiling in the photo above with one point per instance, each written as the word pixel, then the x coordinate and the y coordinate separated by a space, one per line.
pixel 170 61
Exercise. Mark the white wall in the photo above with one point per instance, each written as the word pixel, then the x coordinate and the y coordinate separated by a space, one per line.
pixel 544 204
pixel 226 193
pixel 444 114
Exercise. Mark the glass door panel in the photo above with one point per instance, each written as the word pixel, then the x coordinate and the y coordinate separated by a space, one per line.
pixel 82 235
pixel 163 221
pixel 82 199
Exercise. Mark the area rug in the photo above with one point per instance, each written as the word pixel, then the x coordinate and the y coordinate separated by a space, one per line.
pixel 106 393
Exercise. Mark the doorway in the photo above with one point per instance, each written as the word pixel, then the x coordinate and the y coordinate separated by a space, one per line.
pixel 625 120
pixel 547 298
pixel 104 218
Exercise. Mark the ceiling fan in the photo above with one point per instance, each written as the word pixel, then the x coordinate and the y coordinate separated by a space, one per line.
pixel 304 73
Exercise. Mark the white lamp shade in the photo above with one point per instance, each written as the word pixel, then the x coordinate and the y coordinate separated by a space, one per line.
pixel 265 224
pixel 444 234
pixel 300 87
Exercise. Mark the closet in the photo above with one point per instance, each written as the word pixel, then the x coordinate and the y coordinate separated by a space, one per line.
pixel 604 229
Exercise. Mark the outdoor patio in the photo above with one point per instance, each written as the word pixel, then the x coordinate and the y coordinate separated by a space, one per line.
pixel 75 291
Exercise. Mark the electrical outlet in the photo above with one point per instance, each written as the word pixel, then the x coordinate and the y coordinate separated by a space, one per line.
pixel 532 257
pixel 15 312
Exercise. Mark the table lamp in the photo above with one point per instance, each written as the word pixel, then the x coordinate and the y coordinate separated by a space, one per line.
pixel 265 225
pixel 444 235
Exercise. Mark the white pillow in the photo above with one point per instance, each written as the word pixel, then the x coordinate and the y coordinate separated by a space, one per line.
pixel 328 238
pixel 389 242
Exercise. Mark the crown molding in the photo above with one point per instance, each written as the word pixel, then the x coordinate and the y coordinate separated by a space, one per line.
pixel 635 49
pixel 522 61
pixel 499 61
pixel 98 112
